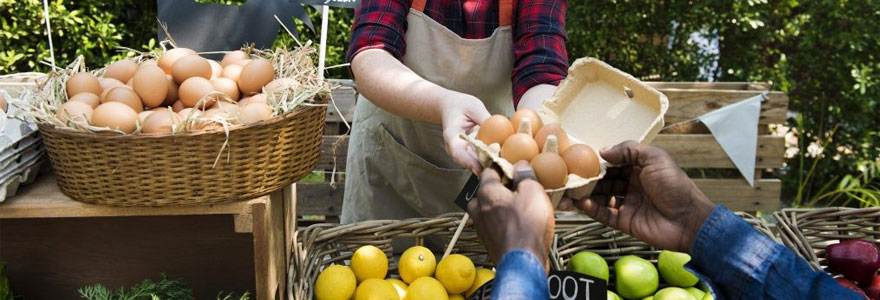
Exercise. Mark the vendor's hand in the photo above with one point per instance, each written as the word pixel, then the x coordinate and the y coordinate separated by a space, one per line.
pixel 508 220
pixel 648 197
pixel 460 115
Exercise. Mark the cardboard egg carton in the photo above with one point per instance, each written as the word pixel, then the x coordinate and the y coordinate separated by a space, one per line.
pixel 21 147
pixel 599 106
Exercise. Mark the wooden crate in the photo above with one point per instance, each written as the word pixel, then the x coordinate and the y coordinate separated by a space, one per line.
pixel 689 143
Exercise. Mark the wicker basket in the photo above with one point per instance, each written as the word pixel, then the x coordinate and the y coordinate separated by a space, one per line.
pixel 808 231
pixel 178 169
pixel 612 244
pixel 321 245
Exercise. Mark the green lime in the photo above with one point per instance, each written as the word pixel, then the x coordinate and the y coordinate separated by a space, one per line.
pixel 589 263
pixel 648 298
pixel 708 296
pixel 673 293
pixel 612 296
pixel 636 277
pixel 671 265
pixel 697 293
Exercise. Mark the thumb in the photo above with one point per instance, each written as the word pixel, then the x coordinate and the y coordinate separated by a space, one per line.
pixel 626 153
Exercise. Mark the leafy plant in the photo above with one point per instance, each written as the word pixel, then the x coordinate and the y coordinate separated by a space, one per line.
pixel 165 289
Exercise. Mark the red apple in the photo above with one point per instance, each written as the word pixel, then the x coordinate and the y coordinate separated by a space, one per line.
pixel 857 260
pixel 850 285
pixel 873 290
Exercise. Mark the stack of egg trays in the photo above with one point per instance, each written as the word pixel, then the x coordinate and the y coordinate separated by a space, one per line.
pixel 21 150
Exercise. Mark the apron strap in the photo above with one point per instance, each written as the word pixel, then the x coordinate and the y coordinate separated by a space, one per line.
pixel 505 10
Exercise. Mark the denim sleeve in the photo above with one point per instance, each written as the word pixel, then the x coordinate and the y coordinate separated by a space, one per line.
pixel 746 264
pixel 520 276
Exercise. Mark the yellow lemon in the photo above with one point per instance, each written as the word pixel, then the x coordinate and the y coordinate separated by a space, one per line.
pixel 426 288
pixel 399 286
pixel 456 297
pixel 416 262
pixel 375 289
pixel 456 273
pixel 369 262
pixel 335 283
pixel 483 276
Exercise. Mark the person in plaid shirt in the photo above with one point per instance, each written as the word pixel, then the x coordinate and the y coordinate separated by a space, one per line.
pixel 429 71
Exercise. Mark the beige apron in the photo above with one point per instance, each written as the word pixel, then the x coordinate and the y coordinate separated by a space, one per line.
pixel 398 168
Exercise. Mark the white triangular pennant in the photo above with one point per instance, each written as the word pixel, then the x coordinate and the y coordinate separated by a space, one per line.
pixel 735 127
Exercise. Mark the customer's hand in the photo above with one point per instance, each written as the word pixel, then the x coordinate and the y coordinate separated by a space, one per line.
pixel 508 220
pixel 460 115
pixel 648 197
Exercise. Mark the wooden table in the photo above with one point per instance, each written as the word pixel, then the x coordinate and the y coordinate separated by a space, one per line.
pixel 54 245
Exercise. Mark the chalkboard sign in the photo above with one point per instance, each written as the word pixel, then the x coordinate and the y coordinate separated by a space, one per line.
pixel 218 27
pixel 563 285
pixel 335 3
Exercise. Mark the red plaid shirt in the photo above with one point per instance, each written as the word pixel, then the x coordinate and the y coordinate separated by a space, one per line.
pixel 538 27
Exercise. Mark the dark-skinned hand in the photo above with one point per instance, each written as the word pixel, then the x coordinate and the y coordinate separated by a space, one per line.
pixel 648 196
pixel 507 219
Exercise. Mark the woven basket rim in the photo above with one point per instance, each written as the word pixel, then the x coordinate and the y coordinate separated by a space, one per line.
pixel 113 135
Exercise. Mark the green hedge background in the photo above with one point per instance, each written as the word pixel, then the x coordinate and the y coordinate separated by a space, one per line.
pixel 823 53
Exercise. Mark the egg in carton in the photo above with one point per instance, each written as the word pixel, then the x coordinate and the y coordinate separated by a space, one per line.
pixel 596 105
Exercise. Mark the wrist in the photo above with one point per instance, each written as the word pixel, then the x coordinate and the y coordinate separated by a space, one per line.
pixel 700 209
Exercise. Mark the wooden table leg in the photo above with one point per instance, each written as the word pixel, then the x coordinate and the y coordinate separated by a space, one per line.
pixel 272 236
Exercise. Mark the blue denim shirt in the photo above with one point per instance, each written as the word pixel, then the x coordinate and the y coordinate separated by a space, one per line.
pixel 728 252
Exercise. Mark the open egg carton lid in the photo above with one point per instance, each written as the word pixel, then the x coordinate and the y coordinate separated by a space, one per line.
pixel 599 106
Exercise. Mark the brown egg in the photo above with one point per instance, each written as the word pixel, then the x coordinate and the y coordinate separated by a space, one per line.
pixel 233 57
pixel 227 87
pixel 260 98
pixel 282 83
pixel 148 63
pixel 531 115
pixel 166 62
pixel 125 95
pixel 142 116
pixel 186 113
pixel 582 161
pixel 88 98
pixel 519 146
pixel 194 89
pixel 213 112
pixel 107 83
pixel 115 115
pixel 151 84
pixel 3 104
pixel 244 62
pixel 161 121
pixel 255 112
pixel 255 75
pixel 75 111
pixel 83 82
pixel 216 69
pixel 121 70
pixel 232 72
pixel 550 169
pixel 190 66
pixel 178 106
pixel 130 83
pixel 230 109
pixel 554 129
pixel 495 129
pixel 171 96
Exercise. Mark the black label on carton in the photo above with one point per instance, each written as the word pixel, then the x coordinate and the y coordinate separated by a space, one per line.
pixel 563 285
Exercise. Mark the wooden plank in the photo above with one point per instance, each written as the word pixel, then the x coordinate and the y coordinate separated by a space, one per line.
pixel 52 258
pixel 344 98
pixel 319 199
pixel 756 86
pixel 333 147
pixel 703 151
pixel 43 199
pixel 685 104
pixel 737 195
